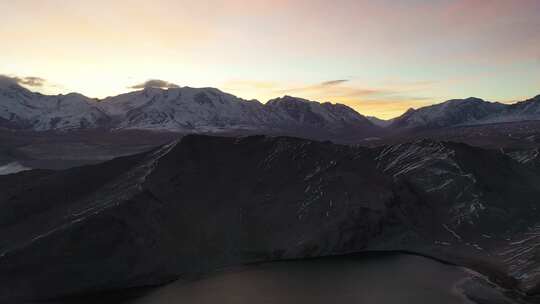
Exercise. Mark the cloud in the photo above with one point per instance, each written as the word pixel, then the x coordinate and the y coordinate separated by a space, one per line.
pixel 388 99
pixel 26 81
pixel 333 89
pixel 155 83
pixel 333 82
pixel 32 81
pixel 391 107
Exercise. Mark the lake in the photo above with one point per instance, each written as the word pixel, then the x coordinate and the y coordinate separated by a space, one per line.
pixel 381 279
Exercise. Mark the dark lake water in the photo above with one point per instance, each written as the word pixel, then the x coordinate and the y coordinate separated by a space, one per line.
pixel 390 279
pixel 382 279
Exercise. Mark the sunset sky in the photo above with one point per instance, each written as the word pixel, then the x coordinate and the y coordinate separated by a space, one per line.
pixel 380 57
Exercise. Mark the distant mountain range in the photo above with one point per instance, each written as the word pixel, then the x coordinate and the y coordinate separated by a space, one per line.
pixel 209 110
pixel 185 110
pixel 470 111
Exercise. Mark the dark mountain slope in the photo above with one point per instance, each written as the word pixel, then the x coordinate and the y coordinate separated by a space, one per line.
pixel 485 201
pixel 207 202
pixel 185 208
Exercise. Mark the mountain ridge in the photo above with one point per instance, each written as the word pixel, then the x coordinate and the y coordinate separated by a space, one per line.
pixel 183 109
pixel 210 110
pixel 468 111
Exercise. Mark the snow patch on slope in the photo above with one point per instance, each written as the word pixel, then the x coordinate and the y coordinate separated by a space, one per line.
pixel 432 166
pixel 13 167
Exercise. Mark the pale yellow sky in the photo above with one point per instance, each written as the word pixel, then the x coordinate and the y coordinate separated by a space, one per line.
pixel 380 57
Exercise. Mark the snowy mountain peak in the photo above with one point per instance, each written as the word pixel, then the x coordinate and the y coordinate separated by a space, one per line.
pixel 23 109
pixel 310 113
pixel 151 91
pixel 203 110
pixel 300 103
pixel 453 112
pixel 287 99
pixel 474 99
pixel 6 82
pixel 533 100
pixel 471 101
pixel 13 90
pixel 183 109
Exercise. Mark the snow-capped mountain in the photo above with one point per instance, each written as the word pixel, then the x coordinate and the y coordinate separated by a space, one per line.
pixel 301 112
pixel 528 109
pixel 311 119
pixel 450 113
pixel 470 111
pixel 211 110
pixel 183 109
pixel 23 109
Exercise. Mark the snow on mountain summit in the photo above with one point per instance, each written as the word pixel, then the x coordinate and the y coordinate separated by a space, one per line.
pixel 209 110
pixel 178 109
pixel 459 112
pixel 21 108
pixel 301 111
pixel 183 109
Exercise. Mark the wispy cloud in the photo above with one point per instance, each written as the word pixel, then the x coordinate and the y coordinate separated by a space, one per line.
pixel 155 83
pixel 387 100
pixel 332 88
pixel 387 108
pixel 334 82
pixel 32 81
